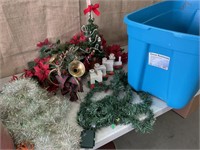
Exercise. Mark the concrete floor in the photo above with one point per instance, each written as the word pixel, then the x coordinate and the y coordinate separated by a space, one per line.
pixel 170 132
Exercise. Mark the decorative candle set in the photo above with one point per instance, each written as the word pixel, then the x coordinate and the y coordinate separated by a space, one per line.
pixel 103 71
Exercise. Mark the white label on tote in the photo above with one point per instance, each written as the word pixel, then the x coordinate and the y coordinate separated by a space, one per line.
pixel 158 60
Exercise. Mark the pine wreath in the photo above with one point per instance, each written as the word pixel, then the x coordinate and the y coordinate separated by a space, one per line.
pixel 117 108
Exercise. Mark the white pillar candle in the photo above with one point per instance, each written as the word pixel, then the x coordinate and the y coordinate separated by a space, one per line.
pixel 120 59
pixel 88 2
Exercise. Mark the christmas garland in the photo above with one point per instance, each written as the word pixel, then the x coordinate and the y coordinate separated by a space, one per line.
pixel 36 119
pixel 117 108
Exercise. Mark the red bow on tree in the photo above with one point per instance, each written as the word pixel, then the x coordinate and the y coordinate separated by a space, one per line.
pixel 92 8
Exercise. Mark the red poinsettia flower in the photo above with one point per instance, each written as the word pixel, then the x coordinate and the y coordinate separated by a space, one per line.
pixel 78 38
pixel 45 42
pixel 82 37
pixel 42 71
pixel 28 73
pixel 124 57
pixel 113 49
pixel 14 77
pixel 37 60
pixel 42 60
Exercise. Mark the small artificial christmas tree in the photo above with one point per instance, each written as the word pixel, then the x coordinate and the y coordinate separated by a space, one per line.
pixel 91 30
pixel 96 43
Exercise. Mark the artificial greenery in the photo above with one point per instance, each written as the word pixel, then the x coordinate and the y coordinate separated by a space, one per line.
pixel 34 116
pixel 118 108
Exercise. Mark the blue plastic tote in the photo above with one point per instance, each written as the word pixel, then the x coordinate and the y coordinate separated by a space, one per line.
pixel 163 50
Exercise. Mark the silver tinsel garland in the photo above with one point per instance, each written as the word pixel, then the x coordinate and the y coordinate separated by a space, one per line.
pixel 30 114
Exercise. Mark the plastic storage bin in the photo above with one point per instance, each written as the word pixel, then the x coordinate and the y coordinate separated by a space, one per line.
pixel 163 50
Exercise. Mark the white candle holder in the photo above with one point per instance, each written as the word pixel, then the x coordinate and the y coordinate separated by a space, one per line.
pixel 95 75
pixel 109 63
pixel 118 64
pixel 103 69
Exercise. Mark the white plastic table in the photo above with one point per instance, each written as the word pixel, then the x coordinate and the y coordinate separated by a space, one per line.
pixel 107 134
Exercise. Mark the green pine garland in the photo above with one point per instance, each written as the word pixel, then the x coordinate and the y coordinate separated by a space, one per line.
pixel 117 108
